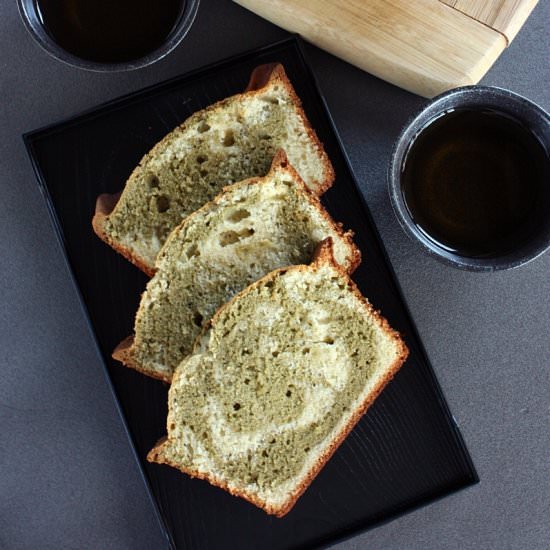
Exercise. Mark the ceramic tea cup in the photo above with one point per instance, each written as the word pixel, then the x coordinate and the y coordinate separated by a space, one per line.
pixel 469 178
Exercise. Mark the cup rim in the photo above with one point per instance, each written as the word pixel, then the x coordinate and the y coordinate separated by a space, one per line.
pixel 415 124
pixel 29 16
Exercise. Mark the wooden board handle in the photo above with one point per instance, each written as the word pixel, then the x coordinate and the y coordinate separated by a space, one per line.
pixel 505 16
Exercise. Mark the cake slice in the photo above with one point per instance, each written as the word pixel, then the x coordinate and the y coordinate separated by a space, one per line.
pixel 227 142
pixel 277 380
pixel 247 231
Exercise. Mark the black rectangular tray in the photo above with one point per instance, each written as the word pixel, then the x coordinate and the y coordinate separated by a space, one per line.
pixel 405 451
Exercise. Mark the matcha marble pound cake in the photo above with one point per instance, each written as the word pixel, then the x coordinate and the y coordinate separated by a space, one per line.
pixel 247 231
pixel 277 380
pixel 227 142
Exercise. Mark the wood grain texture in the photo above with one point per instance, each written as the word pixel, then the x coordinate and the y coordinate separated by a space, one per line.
pixel 425 46
pixel 505 16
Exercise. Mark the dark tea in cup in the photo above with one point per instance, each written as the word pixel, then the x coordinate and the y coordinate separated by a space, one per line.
pixel 109 31
pixel 108 35
pixel 470 178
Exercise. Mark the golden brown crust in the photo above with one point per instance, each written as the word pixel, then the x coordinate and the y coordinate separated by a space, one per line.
pixel 354 258
pixel 156 454
pixel 262 76
pixel 322 256
pixel 104 205
pixel 275 72
pixel 124 353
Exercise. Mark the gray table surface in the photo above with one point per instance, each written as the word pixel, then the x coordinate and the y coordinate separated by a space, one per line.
pixel 67 474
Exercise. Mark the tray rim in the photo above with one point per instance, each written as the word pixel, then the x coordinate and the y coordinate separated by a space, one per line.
pixel 295 42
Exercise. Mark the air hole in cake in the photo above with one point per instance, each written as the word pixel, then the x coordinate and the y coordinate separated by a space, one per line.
pixel 232 237
pixel 163 203
pixel 305 351
pixel 236 406
pixel 288 393
pixel 328 340
pixel 275 353
pixel 238 215
pixel 203 174
pixel 270 99
pixel 197 319
pixel 203 127
pixel 152 181
pixel 265 137
pixel 247 381
pixel 192 251
pixel 172 426
pixel 202 158
pixel 264 453
pixel 229 138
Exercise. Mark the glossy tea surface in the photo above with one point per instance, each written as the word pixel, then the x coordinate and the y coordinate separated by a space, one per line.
pixel 472 179
pixel 109 31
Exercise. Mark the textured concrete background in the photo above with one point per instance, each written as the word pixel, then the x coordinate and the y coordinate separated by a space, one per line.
pixel 67 476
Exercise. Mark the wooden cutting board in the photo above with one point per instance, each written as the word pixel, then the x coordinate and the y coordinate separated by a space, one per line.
pixel 425 46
